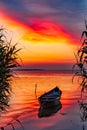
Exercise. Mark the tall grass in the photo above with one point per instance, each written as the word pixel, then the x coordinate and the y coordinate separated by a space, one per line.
pixel 81 61
pixel 81 71
pixel 8 60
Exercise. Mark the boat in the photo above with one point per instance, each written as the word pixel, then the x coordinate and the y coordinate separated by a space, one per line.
pixel 50 98
pixel 50 111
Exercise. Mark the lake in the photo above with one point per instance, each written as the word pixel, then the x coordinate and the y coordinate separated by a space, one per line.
pixel 24 107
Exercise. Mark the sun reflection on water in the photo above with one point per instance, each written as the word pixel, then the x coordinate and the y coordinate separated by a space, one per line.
pixel 24 104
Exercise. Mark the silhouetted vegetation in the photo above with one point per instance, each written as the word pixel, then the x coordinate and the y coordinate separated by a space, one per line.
pixel 81 71
pixel 12 125
pixel 81 65
pixel 8 60
pixel 83 110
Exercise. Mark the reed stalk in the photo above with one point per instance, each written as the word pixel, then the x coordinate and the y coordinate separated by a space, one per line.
pixel 8 60
pixel 81 61
pixel 81 72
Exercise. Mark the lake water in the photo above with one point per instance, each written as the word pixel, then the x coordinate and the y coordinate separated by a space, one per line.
pixel 24 106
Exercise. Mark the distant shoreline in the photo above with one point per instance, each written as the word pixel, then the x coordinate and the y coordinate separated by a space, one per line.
pixel 29 69
pixel 45 70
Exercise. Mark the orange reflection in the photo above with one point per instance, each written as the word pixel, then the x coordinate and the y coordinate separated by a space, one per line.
pixel 24 104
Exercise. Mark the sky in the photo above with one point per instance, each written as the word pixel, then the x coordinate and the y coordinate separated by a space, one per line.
pixel 47 31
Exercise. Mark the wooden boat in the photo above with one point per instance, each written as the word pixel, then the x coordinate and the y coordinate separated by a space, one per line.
pixel 50 98
pixel 46 112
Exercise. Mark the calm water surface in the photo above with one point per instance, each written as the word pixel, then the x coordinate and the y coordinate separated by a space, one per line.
pixel 24 105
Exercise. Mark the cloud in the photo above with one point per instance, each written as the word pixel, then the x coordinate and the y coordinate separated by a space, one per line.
pixel 39 9
pixel 69 14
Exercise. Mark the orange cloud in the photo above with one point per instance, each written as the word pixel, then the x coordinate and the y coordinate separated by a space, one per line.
pixel 38 31
pixel 44 32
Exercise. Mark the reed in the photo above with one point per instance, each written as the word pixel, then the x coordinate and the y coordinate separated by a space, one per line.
pixel 12 124
pixel 81 61
pixel 8 60
pixel 81 71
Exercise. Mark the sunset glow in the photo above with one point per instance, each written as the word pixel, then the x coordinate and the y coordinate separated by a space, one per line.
pixel 43 59
pixel 43 41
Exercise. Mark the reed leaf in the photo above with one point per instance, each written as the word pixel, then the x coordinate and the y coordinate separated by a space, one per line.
pixel 83 127
pixel 20 123
pixel 84 33
pixel 8 60
pixel 11 125
pixel 81 61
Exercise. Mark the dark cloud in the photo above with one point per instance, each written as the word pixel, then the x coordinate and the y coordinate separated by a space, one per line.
pixel 68 13
pixel 69 4
pixel 13 5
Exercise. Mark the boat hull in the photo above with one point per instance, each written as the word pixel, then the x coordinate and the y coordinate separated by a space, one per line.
pixel 50 98
pixel 49 103
pixel 49 111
